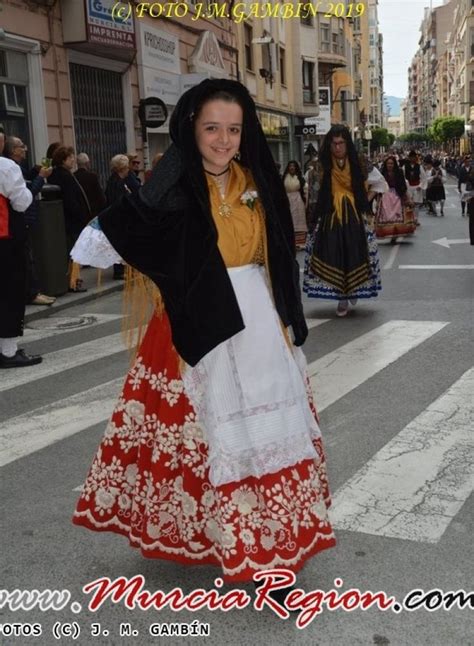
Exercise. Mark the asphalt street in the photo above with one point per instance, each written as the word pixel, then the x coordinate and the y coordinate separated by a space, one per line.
pixel 394 382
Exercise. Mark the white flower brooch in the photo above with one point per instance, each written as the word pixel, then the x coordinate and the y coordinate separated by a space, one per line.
pixel 249 198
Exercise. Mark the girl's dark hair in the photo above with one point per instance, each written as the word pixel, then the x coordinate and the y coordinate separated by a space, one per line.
pixel 61 154
pixel 400 184
pixel 325 204
pixel 218 95
pixel 298 174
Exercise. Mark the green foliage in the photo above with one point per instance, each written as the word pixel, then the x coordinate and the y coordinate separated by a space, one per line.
pixel 391 139
pixel 380 138
pixel 445 128
pixel 413 137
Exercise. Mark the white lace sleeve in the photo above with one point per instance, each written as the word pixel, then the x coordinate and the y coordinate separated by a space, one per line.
pixel 376 181
pixel 93 248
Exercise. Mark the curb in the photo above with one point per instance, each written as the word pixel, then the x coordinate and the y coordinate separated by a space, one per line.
pixel 70 300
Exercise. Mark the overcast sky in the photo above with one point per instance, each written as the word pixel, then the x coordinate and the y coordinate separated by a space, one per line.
pixel 399 22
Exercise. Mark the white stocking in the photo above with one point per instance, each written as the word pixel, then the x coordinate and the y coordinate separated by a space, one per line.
pixel 9 347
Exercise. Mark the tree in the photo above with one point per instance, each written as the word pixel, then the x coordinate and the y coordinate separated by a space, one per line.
pixel 452 128
pixel 413 137
pixel 445 128
pixel 380 138
pixel 391 139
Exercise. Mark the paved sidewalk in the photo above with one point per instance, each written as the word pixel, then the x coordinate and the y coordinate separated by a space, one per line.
pixel 90 277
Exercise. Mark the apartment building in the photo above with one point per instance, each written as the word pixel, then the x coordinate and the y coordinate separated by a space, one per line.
pixel 69 72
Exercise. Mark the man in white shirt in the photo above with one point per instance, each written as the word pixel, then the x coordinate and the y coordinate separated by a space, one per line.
pixel 14 196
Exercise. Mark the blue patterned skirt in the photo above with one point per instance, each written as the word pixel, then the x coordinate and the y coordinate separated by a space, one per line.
pixel 316 287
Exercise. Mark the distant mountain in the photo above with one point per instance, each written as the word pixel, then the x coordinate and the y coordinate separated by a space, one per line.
pixel 394 105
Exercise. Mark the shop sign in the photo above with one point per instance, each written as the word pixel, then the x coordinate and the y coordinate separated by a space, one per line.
pixel 152 112
pixel 323 120
pixel 159 50
pixel 104 29
pixel 306 131
pixel 163 85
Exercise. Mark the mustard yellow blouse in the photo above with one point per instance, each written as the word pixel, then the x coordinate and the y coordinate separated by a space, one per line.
pixel 242 237
pixel 241 234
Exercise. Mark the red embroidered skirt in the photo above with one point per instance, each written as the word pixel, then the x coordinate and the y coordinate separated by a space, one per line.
pixel 149 482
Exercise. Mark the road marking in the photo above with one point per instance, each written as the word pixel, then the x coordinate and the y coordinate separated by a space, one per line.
pixel 54 325
pixel 415 485
pixel 60 360
pixel 340 371
pixel 311 323
pixel 37 429
pixel 392 256
pixel 436 266
pixel 445 242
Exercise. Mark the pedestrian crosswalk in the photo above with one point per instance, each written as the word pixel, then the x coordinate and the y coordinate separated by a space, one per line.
pixel 39 428
pixel 66 359
pixel 410 489
pixel 48 327
pixel 339 372
pixel 416 484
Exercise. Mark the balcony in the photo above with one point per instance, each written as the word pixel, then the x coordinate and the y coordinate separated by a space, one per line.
pixel 329 57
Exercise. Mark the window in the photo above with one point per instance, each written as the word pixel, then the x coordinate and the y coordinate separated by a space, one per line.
pixel 335 43
pixel 248 32
pixel 307 19
pixel 341 41
pixel 3 64
pixel 308 82
pixel 282 66
pixel 325 40
pixel 13 100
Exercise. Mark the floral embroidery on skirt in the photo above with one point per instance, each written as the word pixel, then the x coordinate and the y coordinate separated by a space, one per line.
pixel 149 482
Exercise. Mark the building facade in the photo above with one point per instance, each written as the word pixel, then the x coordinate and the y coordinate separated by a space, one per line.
pixel 441 75
pixel 278 62
pixel 376 107
pixel 69 72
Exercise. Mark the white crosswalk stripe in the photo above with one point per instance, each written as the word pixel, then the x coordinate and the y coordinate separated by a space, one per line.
pixel 60 360
pixel 416 484
pixel 342 370
pixel 52 326
pixel 20 436
pixel 405 491
pixel 312 323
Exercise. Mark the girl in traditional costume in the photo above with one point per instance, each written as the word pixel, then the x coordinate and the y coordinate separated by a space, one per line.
pixel 213 454
pixel 436 179
pixel 394 212
pixel 295 189
pixel 342 261
pixel 416 182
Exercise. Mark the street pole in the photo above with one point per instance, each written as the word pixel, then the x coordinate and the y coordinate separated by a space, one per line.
pixel 146 148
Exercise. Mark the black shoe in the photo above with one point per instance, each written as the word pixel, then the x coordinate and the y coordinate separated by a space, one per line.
pixel 19 360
